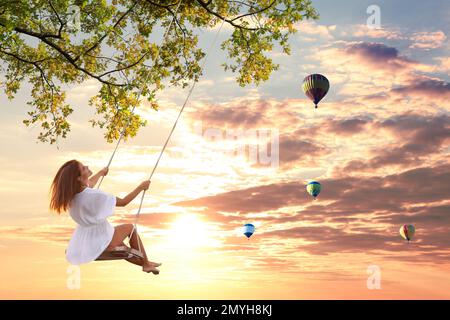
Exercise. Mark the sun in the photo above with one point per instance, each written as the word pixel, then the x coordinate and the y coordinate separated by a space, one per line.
pixel 188 231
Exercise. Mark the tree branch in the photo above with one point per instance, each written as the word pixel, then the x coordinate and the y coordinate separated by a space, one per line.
pixel 20 58
pixel 256 12
pixel 167 6
pixel 125 67
pixel 106 34
pixel 66 55
pixel 205 6
pixel 171 12
pixel 61 23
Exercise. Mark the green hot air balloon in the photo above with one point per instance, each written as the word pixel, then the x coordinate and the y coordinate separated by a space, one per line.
pixel 313 188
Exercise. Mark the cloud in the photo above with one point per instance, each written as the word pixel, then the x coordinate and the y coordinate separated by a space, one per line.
pixel 444 64
pixel 425 129
pixel 294 148
pixel 347 127
pixel 347 194
pixel 427 88
pixel 324 139
pixel 423 215
pixel 366 73
pixel 419 40
pixel 257 199
pixel 317 31
pixel 416 137
pixel 244 115
pixel 47 233
pixel 378 55
pixel 363 31
pixel 428 40
pixel 325 240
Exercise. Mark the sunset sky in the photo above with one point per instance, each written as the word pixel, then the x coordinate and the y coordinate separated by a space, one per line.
pixel 378 144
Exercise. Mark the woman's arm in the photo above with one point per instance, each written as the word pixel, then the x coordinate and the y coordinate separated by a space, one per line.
pixel 93 179
pixel 133 194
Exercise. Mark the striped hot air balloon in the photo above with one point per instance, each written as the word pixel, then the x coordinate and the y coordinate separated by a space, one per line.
pixel 315 86
pixel 249 229
pixel 313 188
pixel 407 231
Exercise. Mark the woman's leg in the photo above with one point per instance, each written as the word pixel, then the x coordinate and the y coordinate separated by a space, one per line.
pixel 136 243
pixel 123 231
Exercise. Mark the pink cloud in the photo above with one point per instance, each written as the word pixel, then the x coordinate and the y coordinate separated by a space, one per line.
pixel 294 148
pixel 348 195
pixel 378 55
pixel 347 127
pixel 425 87
pixel 364 31
pixel 418 137
pixel 428 40
pixel 248 114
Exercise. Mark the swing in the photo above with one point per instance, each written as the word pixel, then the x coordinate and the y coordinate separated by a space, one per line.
pixel 119 253
pixel 125 252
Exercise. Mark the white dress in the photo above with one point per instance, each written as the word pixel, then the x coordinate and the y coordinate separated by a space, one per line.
pixel 90 208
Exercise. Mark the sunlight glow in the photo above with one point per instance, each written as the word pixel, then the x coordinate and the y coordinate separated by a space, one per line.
pixel 189 232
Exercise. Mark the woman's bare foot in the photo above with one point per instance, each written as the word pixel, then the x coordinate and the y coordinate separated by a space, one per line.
pixel 155 264
pixel 149 267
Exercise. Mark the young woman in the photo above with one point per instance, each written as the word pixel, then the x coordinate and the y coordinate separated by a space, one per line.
pixel 72 190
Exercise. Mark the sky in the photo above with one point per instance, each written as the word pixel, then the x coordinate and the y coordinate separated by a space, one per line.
pixel 378 144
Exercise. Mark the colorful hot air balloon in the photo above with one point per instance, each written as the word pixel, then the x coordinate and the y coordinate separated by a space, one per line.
pixel 315 86
pixel 249 229
pixel 313 188
pixel 407 231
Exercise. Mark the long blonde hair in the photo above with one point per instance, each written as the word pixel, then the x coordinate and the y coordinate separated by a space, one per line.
pixel 65 186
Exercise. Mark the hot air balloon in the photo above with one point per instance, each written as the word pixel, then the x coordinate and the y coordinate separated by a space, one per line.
pixel 407 231
pixel 313 188
pixel 249 229
pixel 315 87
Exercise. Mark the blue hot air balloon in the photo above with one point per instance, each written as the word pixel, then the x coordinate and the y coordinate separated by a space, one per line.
pixel 249 229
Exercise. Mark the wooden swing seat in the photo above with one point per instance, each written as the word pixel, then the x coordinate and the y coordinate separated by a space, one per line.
pixel 121 252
